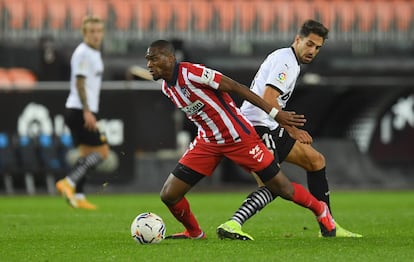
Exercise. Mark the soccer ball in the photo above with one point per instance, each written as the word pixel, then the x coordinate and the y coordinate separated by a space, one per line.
pixel 148 228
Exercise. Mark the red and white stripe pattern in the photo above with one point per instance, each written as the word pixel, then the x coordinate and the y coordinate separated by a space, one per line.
pixel 195 91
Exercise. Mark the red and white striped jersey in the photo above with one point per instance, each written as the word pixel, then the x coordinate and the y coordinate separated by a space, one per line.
pixel 195 91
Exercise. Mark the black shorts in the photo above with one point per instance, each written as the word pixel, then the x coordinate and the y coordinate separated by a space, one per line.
pixel 80 135
pixel 278 141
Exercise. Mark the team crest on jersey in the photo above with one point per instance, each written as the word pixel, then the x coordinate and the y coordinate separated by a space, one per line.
pixel 185 91
pixel 281 77
pixel 194 108
pixel 207 76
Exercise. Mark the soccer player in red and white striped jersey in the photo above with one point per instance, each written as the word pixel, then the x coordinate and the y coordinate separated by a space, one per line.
pixel 202 94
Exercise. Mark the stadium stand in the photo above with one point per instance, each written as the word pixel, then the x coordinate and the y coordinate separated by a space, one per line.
pixel 404 9
pixel 182 14
pixel 15 14
pixel 36 13
pixel 78 9
pixel 384 10
pixel 99 8
pixel 163 11
pixel 21 78
pixel 5 81
pixel 246 14
pixel 270 19
pixel 123 14
pixel 265 15
pixel 226 14
pixel 56 15
pixel 203 13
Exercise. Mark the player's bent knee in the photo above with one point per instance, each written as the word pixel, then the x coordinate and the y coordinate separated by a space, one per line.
pixel 168 195
pixel 269 172
pixel 316 162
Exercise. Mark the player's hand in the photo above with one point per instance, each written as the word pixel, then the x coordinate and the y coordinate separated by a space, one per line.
pixel 301 135
pixel 90 120
pixel 287 118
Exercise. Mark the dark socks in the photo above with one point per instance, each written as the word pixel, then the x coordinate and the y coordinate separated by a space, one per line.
pixel 318 186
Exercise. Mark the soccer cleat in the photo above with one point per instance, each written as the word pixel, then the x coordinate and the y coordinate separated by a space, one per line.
pixel 232 230
pixel 342 232
pixel 67 191
pixel 186 235
pixel 326 222
pixel 84 204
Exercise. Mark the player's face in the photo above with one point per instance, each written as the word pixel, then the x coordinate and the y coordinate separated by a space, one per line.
pixel 307 48
pixel 93 34
pixel 160 65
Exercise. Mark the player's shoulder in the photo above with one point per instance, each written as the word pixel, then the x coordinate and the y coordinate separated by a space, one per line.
pixel 284 53
pixel 193 69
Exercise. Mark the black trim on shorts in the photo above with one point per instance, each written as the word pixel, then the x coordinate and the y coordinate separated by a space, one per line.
pixel 186 174
pixel 284 143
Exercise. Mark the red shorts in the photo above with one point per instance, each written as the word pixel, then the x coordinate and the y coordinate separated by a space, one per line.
pixel 250 154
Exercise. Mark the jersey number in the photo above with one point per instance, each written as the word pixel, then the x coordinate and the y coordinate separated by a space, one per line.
pixel 269 142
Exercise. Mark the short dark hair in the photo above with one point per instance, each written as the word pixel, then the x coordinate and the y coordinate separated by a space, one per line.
pixel 312 26
pixel 163 45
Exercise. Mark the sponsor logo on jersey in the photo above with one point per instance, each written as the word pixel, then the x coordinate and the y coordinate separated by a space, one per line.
pixel 281 77
pixel 194 108
pixel 257 153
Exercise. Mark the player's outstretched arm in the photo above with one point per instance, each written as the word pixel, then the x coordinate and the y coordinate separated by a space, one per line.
pixel 282 117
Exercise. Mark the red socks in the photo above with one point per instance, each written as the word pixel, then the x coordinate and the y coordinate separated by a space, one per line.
pixel 304 198
pixel 181 211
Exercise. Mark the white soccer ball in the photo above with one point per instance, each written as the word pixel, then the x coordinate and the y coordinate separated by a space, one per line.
pixel 148 228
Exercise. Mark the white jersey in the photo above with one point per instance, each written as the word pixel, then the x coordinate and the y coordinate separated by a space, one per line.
pixel 280 70
pixel 86 62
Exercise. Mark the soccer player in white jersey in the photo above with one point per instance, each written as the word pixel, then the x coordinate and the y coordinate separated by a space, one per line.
pixel 275 82
pixel 203 95
pixel 82 106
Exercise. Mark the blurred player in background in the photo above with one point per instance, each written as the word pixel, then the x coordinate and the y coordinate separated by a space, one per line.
pixel 82 105
pixel 203 95
pixel 275 82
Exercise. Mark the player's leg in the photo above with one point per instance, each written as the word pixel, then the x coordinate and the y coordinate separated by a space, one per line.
pixel 93 148
pixel 276 184
pixel 198 161
pixel 313 162
pixel 307 157
pixel 178 183
pixel 257 199
pixel 71 187
pixel 253 203
pixel 281 185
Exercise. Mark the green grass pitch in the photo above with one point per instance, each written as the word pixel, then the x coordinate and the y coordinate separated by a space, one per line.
pixel 43 228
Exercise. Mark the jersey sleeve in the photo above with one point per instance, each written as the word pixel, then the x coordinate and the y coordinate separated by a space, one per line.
pixel 80 64
pixel 205 76
pixel 278 76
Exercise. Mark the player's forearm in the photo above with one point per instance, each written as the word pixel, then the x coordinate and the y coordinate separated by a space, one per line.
pixel 80 85
pixel 246 93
